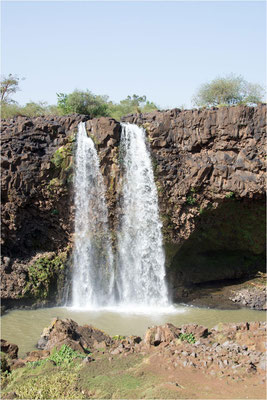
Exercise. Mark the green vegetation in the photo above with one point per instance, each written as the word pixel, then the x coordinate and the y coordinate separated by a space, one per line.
pixel 191 200
pixel 129 377
pixel 9 85
pixel 131 105
pixel 118 337
pixel 4 364
pixel 60 157
pixel 65 355
pixel 44 383
pixel 189 337
pixel 42 274
pixel 83 102
pixel 229 195
pixel 79 101
pixel 222 91
pixel 228 91
pixel 62 161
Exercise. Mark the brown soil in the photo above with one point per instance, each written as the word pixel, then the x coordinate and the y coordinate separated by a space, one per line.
pixel 194 384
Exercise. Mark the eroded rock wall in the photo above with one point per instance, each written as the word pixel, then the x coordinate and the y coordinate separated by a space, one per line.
pixel 209 170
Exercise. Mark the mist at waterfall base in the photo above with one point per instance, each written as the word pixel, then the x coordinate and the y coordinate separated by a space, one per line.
pixel 133 279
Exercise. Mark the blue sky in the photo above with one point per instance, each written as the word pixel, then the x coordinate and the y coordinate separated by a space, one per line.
pixel 164 50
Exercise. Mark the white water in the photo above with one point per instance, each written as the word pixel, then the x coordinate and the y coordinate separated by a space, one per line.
pixel 93 275
pixel 141 258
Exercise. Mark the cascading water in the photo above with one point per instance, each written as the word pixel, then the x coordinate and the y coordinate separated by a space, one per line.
pixel 93 275
pixel 141 258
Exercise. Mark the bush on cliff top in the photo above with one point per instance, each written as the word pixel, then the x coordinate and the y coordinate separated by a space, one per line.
pixel 228 91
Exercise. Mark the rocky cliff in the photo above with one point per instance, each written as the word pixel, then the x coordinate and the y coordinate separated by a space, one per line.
pixel 209 170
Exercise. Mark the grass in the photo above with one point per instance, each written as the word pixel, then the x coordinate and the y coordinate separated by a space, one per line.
pixel 63 376
pixel 37 383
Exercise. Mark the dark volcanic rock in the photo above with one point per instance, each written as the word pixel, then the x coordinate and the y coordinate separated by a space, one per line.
pixel 209 171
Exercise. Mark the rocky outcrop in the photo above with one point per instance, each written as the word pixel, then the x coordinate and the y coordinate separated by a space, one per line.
pixel 209 170
pixel 37 204
pixel 9 348
pixel 68 332
pixel 227 349
pixel 209 167
pixel 254 298
pixel 235 349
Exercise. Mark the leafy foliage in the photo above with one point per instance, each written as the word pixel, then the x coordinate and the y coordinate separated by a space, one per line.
pixel 118 337
pixel 9 85
pixel 40 275
pixel 65 355
pixel 83 102
pixel 191 200
pixel 130 105
pixel 228 91
pixel 57 385
pixel 61 155
pixel 79 101
pixel 189 337
pixel 31 109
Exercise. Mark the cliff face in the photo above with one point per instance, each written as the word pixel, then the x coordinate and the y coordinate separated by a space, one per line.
pixel 209 170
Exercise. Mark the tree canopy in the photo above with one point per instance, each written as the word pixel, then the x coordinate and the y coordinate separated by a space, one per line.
pixel 8 86
pixel 229 90
pixel 85 102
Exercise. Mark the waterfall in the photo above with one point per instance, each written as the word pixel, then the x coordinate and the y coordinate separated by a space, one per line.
pixel 93 275
pixel 141 258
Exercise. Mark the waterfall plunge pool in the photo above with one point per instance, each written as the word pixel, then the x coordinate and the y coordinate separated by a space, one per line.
pixel 24 327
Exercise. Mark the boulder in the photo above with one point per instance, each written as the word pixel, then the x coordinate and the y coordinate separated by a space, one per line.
pixel 68 332
pixel 158 334
pixel 10 349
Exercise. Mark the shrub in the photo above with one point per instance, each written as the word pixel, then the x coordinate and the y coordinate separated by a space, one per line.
pixel 189 337
pixel 190 200
pixel 41 274
pixel 65 355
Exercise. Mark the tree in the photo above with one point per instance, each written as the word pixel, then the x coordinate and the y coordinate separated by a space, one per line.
pixel 130 105
pixel 8 86
pixel 229 90
pixel 83 102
